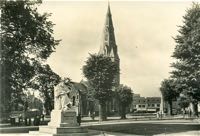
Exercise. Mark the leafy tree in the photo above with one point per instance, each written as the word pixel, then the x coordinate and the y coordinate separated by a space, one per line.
pixel 125 97
pixel 26 40
pixel 32 102
pixel 88 99
pixel 187 50
pixel 45 81
pixel 168 92
pixel 100 72
pixel 183 102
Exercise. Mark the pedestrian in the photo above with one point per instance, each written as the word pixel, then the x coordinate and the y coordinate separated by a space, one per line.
pixel 190 113
pixel 42 116
pixel 37 120
pixel 158 115
pixel 161 114
pixel 79 119
pixel 93 115
pixel 184 112
pixel 25 121
pixel 29 121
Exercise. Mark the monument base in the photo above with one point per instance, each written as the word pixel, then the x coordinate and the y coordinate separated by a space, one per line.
pixel 63 119
pixel 62 124
pixel 63 131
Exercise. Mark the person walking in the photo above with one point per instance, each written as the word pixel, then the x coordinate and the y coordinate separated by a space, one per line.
pixel 79 119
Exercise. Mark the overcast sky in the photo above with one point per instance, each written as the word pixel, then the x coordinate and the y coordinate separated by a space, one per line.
pixel 143 32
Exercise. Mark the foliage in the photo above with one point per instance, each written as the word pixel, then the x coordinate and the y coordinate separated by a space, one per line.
pixel 26 41
pixel 90 92
pixel 88 96
pixel 44 81
pixel 124 94
pixel 125 97
pixel 168 92
pixel 183 101
pixel 187 50
pixel 32 102
pixel 100 71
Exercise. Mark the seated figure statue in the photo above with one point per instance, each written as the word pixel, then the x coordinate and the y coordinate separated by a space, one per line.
pixel 62 100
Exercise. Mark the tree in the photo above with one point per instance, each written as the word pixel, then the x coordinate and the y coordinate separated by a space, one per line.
pixel 90 99
pixel 45 81
pixel 26 40
pixel 100 71
pixel 183 102
pixel 125 97
pixel 186 52
pixel 32 102
pixel 168 92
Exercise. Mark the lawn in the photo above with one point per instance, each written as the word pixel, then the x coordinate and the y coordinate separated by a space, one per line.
pixel 147 128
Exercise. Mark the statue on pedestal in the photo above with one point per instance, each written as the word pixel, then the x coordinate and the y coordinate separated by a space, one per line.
pixel 65 96
pixel 64 116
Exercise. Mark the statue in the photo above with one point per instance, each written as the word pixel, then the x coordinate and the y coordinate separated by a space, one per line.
pixel 64 116
pixel 62 98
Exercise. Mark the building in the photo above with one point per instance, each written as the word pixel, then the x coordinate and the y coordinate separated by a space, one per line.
pixel 153 104
pixel 140 104
pixel 148 104
pixel 109 46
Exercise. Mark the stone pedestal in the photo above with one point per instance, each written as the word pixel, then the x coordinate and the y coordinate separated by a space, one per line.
pixel 63 124
pixel 63 119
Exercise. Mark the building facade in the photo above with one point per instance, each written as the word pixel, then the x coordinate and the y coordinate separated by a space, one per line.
pixel 153 104
pixel 148 104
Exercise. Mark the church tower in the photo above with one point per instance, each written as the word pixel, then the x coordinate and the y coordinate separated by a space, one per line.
pixel 109 46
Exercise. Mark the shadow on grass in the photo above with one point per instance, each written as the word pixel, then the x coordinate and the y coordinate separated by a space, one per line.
pixel 147 129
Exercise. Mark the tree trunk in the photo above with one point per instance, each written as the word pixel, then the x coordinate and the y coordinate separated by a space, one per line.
pixel 170 108
pixel 194 109
pixel 46 106
pixel 102 111
pixel 16 106
pixel 123 111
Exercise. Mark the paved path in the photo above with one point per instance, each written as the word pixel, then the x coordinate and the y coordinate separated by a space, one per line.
pixel 189 133
pixel 187 122
pixel 141 121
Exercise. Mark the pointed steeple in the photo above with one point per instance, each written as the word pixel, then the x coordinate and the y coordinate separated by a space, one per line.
pixel 109 47
pixel 108 11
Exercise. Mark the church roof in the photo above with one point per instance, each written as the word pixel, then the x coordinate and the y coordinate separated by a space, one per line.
pixel 79 87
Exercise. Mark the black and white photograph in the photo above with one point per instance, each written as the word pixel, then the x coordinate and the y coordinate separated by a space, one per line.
pixel 99 68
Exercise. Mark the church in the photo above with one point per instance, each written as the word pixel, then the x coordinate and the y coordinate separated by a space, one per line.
pixel 108 48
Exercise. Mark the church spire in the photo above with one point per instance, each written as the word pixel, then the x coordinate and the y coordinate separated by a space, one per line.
pixel 108 11
pixel 109 47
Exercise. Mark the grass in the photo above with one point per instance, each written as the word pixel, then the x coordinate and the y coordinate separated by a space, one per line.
pixel 148 128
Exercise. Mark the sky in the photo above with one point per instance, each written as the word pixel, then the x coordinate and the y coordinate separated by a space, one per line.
pixel 144 32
